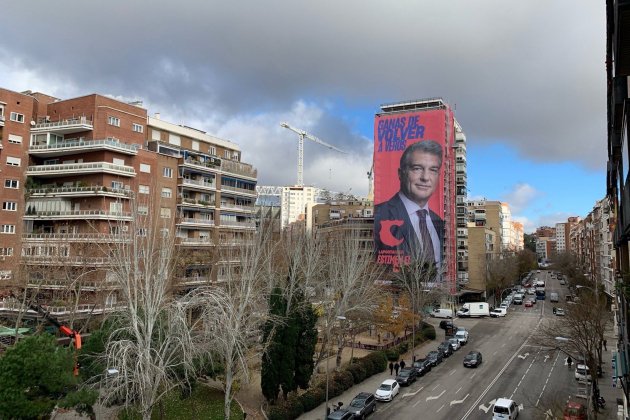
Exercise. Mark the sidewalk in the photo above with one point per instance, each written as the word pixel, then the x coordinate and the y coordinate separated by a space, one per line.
pixel 609 388
pixel 372 383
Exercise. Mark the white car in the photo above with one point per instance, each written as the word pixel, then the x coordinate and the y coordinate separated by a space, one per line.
pixel 498 312
pixel 387 391
pixel 455 343
pixel 462 337
pixel 582 373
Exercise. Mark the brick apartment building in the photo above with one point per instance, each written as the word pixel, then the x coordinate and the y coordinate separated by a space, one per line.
pixel 73 174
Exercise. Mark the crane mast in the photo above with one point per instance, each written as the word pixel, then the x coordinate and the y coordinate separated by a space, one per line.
pixel 302 135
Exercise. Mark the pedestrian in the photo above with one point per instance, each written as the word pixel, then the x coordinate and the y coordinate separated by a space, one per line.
pixel 391 368
pixel 569 361
pixel 605 349
pixel 396 367
pixel 402 364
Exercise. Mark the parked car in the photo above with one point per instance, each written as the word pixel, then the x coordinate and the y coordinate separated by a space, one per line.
pixel 340 414
pixel 445 348
pixel 454 343
pixel 446 324
pixel 362 405
pixel 562 282
pixel 582 373
pixel 574 411
pixel 388 390
pixel 422 366
pixel 462 336
pixel 407 376
pixel 560 312
pixel 498 312
pixel 528 303
pixel 473 359
pixel 435 357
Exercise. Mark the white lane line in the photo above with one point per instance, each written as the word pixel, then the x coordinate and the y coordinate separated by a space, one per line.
pixel 411 394
pixel 459 401
pixel 435 397
pixel 460 388
pixel 495 352
pixel 435 387
pixel 453 371
pixel 440 408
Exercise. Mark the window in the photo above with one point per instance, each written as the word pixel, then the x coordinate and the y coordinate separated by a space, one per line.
pixel 9 206
pixel 115 208
pixel 226 154
pixel 143 189
pixel 137 128
pixel 15 139
pixel 155 134
pixel 8 229
pixel 13 161
pixel 142 232
pixel 117 185
pixel 143 210
pixel 11 183
pixel 174 139
pixel 6 275
pixel 113 121
pixel 145 168
pixel 118 161
pixel 6 252
pixel 168 172
pixel 167 192
pixel 17 117
pixel 165 213
pixel 195 145
pixel 212 150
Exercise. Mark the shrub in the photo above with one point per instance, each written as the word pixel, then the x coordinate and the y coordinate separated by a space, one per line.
pixel 277 412
pixel 294 407
pixel 392 354
pixel 358 371
pixel 403 347
pixel 312 398
pixel 428 331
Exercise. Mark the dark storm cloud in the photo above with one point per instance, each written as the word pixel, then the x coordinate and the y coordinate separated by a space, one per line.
pixel 527 73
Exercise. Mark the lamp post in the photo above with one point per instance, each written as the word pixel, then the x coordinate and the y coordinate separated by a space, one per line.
pixel 339 317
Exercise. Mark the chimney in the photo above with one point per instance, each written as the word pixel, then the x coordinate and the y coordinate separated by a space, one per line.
pixel 157 116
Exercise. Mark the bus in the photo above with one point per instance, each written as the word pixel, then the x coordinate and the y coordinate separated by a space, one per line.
pixel 540 293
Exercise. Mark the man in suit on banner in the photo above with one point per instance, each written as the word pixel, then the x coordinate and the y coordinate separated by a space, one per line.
pixel 405 222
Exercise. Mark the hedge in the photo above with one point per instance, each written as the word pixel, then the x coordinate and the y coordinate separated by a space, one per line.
pixel 338 382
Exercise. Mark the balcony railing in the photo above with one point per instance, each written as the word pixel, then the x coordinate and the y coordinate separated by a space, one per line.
pixel 198 163
pixel 12 306
pixel 238 190
pixel 81 122
pixel 195 241
pixel 85 145
pixel 79 168
pixel 193 182
pixel 234 223
pixel 230 206
pixel 239 168
pixel 63 284
pixel 80 190
pixel 75 237
pixel 196 221
pixel 87 214
pixel 59 260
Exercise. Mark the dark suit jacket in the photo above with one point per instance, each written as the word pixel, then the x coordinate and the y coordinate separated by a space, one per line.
pixel 394 210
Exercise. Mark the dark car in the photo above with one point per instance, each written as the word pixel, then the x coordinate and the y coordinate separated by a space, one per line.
pixel 446 324
pixel 422 366
pixel 472 359
pixel 435 357
pixel 407 376
pixel 362 405
pixel 446 348
pixel 340 414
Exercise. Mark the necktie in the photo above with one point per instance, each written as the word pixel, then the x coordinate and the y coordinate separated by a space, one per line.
pixel 425 237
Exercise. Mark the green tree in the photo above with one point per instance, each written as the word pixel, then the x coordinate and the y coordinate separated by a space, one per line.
pixel 306 319
pixel 274 370
pixel 530 242
pixel 34 375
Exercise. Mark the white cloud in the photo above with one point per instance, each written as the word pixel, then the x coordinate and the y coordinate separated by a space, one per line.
pixel 520 197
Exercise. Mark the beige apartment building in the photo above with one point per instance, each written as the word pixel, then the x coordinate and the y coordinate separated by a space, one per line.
pixel 74 173
pixel 482 245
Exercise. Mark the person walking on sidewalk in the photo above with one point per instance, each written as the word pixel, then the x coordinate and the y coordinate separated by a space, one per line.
pixel 396 367
pixel 605 349
pixel 391 368
pixel 402 364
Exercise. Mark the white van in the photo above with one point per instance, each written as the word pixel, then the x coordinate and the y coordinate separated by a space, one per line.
pixel 504 409
pixel 518 299
pixel 553 297
pixel 442 313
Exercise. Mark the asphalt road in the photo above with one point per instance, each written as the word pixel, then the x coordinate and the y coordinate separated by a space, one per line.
pixel 513 367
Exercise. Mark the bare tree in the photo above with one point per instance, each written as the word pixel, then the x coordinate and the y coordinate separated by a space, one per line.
pixel 150 346
pixel 502 272
pixel 232 315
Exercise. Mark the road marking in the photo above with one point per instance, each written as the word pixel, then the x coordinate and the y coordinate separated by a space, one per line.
pixel 523 356
pixel 440 408
pixel 495 352
pixel 546 357
pixel 490 404
pixel 453 371
pixel 473 375
pixel 459 401
pixel 437 396
pixel 460 388
pixel 411 394
pixel 435 387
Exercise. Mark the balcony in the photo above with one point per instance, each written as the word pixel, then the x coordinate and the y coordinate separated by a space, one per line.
pixel 76 261
pixel 81 146
pixel 1 123
pixel 80 169
pixel 195 222
pixel 198 204
pixel 203 241
pixel 95 190
pixel 75 237
pixel 63 284
pixel 237 168
pixel 78 215
pixel 12 307
pixel 237 190
pixel 192 281
pixel 212 166
pixel 69 126
pixel 199 184
pixel 237 224
pixel 238 207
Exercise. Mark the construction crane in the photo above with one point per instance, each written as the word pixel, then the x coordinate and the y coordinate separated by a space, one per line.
pixel 303 134
pixel 370 175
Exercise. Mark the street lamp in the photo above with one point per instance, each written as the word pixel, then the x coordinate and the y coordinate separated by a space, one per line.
pixel 339 317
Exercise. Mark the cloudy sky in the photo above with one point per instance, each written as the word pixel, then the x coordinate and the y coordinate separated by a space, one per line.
pixel 526 79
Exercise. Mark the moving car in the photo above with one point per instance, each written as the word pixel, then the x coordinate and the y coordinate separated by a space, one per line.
pixel 455 343
pixel 504 409
pixel 528 303
pixel 435 357
pixel 470 309
pixel 387 391
pixel 498 312
pixel 560 312
pixel 574 411
pixel 407 376
pixel 442 313
pixel 362 405
pixel 422 366
pixel 472 359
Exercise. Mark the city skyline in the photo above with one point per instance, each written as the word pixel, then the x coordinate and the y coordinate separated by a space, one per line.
pixel 528 89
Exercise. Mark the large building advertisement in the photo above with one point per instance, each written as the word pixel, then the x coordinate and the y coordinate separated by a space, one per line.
pixel 413 173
